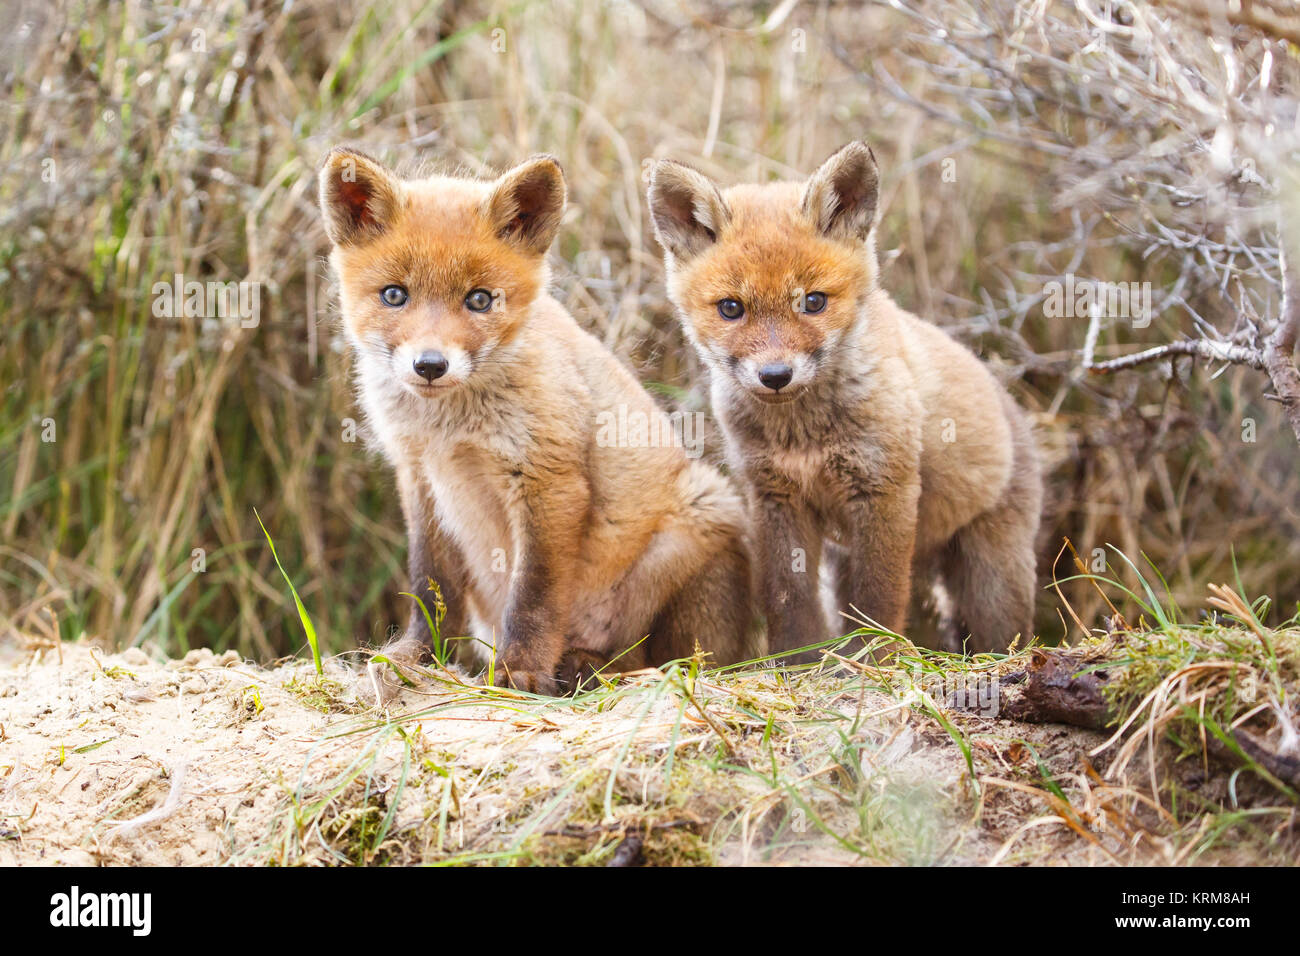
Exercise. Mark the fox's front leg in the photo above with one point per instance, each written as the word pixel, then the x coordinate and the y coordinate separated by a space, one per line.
pixel 552 513
pixel 788 551
pixel 430 555
pixel 880 520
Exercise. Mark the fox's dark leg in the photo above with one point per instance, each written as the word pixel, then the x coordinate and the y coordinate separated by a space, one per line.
pixel 787 549
pixel 926 620
pixel 431 555
pixel 552 508
pixel 990 567
pixel 881 524
pixel 990 572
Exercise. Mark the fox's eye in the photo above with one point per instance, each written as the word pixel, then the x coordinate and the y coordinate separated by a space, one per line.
pixel 480 300
pixel 731 309
pixel 814 302
pixel 393 295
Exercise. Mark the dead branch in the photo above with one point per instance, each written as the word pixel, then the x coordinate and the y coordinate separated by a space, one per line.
pixel 1277 358
pixel 1199 348
pixel 1279 351
pixel 1063 686
pixel 1056 688
pixel 1284 767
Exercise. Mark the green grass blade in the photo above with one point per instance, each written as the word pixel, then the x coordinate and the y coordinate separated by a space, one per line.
pixel 303 616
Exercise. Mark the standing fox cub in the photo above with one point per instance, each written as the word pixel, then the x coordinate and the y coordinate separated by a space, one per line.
pixel 558 552
pixel 860 432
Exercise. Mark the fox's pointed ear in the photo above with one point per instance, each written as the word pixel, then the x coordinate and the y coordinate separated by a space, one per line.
pixel 358 196
pixel 840 198
pixel 527 204
pixel 686 207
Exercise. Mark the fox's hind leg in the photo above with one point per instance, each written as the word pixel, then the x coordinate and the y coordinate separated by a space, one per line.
pixel 712 605
pixel 990 573
pixel 989 566
pixel 714 610
pixel 692 582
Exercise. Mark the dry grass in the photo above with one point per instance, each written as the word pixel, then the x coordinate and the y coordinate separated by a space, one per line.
pixel 183 138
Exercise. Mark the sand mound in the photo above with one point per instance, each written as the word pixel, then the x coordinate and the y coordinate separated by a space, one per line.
pixel 123 759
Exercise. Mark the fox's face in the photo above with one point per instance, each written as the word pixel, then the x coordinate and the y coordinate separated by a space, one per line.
pixel 768 279
pixel 436 275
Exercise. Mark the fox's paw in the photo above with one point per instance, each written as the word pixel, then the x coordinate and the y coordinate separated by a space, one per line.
pixel 524 671
pixel 534 682
pixel 581 670
pixel 383 679
pixel 529 667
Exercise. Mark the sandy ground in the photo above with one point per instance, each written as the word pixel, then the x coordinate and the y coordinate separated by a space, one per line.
pixel 210 745
pixel 90 741
pixel 127 760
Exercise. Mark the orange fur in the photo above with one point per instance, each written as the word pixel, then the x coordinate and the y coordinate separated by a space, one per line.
pixel 560 549
pixel 861 433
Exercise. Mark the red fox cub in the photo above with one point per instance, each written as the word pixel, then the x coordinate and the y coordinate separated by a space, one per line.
pixel 862 434
pixel 560 548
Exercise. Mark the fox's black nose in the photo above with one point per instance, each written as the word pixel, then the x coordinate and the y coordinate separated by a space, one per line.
pixel 431 365
pixel 775 376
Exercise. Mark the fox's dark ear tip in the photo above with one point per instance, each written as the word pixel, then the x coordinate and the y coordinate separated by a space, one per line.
pixel 331 157
pixel 863 148
pixel 544 159
pixel 343 151
pixel 667 167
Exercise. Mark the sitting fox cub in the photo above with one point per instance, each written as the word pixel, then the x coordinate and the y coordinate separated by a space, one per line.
pixel 845 417
pixel 559 551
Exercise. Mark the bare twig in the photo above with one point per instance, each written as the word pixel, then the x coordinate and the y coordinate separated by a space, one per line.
pixel 1279 350
pixel 1198 348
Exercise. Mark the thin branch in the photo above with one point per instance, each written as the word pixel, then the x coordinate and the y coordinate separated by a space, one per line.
pixel 1279 348
pixel 1198 348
